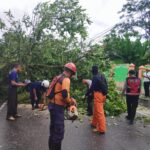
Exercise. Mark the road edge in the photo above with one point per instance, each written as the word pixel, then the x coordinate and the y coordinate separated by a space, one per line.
pixel 3 105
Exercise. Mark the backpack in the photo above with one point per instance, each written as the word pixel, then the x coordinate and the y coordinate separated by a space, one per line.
pixel 133 85
pixel 51 91
pixel 103 84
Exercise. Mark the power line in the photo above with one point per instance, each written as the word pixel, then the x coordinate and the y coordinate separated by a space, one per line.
pixel 101 34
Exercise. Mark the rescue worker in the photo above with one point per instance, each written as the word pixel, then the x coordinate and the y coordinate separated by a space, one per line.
pixel 132 89
pixel 12 93
pixel 99 90
pixel 37 92
pixel 89 97
pixel 57 104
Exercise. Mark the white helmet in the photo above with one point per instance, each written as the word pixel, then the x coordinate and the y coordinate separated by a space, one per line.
pixel 45 83
pixel 27 81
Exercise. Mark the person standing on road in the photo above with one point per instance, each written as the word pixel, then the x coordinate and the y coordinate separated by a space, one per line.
pixel 146 76
pixel 132 89
pixel 12 93
pixel 99 89
pixel 89 97
pixel 57 103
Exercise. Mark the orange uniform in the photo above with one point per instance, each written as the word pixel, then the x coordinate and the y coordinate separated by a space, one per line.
pixel 99 120
pixel 59 88
pixel 59 95
pixel 99 88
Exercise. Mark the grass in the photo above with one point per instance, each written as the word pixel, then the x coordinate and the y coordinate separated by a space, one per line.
pixel 23 98
pixel 147 120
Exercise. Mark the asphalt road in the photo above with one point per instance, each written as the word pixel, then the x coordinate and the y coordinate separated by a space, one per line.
pixel 31 133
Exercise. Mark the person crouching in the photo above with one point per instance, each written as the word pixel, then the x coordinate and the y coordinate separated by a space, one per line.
pixel 37 91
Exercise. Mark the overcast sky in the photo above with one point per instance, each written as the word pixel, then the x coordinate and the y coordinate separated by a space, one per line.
pixel 103 13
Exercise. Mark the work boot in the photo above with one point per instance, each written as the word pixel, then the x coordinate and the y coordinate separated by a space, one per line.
pixel 17 116
pixel 96 131
pixel 11 118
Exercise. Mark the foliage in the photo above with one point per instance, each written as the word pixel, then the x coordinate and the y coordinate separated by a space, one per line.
pixel 136 17
pixel 43 43
pixel 126 49
pixel 115 104
pixel 147 120
pixel 47 40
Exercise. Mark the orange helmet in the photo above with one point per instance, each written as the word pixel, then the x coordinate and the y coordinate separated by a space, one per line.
pixel 71 66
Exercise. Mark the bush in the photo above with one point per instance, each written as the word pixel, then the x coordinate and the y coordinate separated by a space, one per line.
pixel 115 103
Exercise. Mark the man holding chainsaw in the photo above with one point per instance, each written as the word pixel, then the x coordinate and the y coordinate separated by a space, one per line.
pixel 59 98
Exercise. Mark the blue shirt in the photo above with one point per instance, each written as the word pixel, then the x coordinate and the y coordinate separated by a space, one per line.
pixel 13 76
pixel 37 86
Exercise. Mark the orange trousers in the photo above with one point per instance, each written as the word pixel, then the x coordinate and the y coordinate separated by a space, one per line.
pixel 99 120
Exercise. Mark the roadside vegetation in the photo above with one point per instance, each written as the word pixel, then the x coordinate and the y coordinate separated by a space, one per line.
pixel 56 33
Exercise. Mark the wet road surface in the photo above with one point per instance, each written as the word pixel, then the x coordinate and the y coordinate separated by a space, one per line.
pixel 31 133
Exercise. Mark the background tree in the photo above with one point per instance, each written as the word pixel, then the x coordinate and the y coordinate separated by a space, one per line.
pixel 135 16
pixel 48 39
pixel 45 41
pixel 126 49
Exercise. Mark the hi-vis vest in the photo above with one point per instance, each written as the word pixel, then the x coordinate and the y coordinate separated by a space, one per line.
pixel 133 86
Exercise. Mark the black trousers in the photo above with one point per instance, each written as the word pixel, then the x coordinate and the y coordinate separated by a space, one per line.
pixel 90 105
pixel 56 126
pixel 132 103
pixel 54 146
pixel 147 88
pixel 33 101
pixel 12 102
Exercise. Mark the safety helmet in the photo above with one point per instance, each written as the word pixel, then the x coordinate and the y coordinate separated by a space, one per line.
pixel 45 83
pixel 26 81
pixel 71 66
pixel 72 112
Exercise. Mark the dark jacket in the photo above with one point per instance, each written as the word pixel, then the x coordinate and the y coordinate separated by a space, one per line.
pixel 97 85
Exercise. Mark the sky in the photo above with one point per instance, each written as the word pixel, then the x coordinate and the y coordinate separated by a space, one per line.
pixel 103 13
